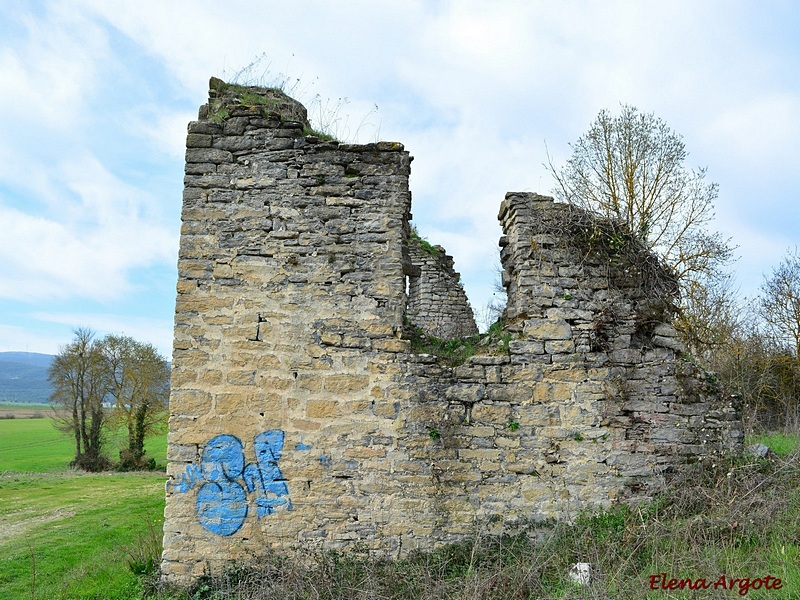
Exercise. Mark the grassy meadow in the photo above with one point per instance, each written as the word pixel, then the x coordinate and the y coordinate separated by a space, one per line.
pixel 66 534
pixel 71 535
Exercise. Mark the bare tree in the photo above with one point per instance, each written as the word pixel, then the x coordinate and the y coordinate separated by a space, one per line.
pixel 80 385
pixel 712 317
pixel 780 303
pixel 139 388
pixel 631 168
pixel 753 345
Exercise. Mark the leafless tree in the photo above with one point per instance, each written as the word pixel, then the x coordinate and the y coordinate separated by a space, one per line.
pixel 631 168
pixel 80 385
pixel 108 382
pixel 780 303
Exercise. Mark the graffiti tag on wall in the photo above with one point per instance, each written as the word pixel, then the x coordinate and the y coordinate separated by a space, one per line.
pixel 225 481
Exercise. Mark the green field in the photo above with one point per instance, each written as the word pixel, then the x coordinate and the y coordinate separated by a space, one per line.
pixel 35 445
pixel 65 534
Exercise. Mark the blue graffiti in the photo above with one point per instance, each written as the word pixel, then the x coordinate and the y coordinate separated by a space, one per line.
pixel 222 505
pixel 265 477
pixel 191 477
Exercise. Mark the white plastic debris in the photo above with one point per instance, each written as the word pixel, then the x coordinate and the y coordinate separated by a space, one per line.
pixel 581 573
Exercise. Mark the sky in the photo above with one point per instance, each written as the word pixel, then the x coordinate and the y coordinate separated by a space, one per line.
pixel 95 96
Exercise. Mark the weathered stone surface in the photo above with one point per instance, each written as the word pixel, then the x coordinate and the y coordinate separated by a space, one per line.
pixel 298 415
pixel 436 301
pixel 547 329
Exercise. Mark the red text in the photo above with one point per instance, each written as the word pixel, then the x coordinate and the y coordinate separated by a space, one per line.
pixel 742 585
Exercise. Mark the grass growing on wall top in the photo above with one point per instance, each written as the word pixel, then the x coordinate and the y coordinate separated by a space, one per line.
pixel 457 351
pixel 424 244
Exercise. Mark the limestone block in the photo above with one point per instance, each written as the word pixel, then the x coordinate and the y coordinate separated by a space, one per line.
pixel 572 314
pixel 498 414
pixel 308 381
pixel 321 409
pixel 391 345
pixel 552 392
pixel 645 406
pixel 198 140
pixel 630 356
pixel 668 434
pixel 185 453
pixel 345 384
pixel 465 392
pixel 208 155
pixel 669 342
pixel 699 408
pixel 305 425
pixel 521 347
pixel 559 346
pixel 547 329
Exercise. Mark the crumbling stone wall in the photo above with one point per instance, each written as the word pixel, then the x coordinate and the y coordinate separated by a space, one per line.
pixel 299 417
pixel 437 303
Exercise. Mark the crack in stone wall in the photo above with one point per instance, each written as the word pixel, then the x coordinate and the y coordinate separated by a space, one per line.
pixel 300 419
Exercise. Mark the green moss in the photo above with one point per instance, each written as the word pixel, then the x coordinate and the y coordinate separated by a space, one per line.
pixel 319 134
pixel 424 244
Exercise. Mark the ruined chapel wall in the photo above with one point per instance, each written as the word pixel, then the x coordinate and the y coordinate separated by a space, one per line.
pixel 299 419
pixel 595 310
pixel 291 283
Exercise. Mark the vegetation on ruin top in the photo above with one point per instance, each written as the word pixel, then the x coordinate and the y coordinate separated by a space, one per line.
pixel 424 244
pixel 457 351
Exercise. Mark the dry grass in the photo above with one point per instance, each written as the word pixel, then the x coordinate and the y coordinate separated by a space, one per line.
pixel 738 517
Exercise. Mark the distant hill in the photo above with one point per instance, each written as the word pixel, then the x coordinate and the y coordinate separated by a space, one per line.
pixel 23 377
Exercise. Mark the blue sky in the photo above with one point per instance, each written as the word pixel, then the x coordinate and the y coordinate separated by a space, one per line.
pixel 95 96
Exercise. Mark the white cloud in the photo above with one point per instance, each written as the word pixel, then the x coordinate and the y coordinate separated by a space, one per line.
pixel 101 228
pixel 46 77
pixel 95 96
pixel 162 129
pixel 761 131
pixel 144 329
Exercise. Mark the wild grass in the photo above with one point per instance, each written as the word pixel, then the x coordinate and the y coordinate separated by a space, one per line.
pixel 781 444
pixel 72 535
pixel 457 351
pixel 66 534
pixel 329 119
pixel 734 518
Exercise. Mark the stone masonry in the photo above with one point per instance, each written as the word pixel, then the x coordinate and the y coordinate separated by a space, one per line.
pixel 437 303
pixel 299 417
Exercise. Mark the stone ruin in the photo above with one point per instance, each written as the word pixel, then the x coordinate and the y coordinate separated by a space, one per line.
pixel 300 418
